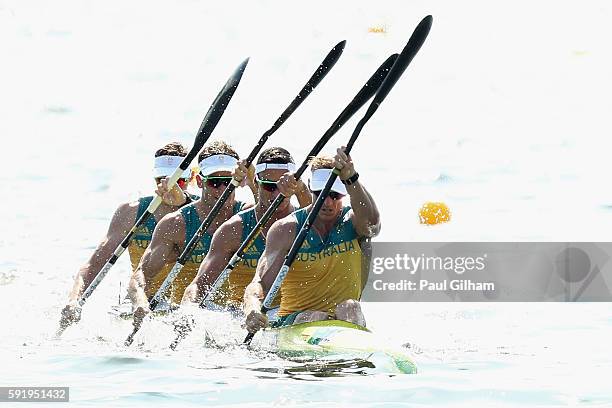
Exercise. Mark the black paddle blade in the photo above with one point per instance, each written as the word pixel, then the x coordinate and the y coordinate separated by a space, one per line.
pixel 376 80
pixel 401 63
pixel 366 92
pixel 327 64
pixel 323 69
pixel 214 113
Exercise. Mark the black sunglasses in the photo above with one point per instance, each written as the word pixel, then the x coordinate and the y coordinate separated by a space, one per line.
pixel 182 182
pixel 268 185
pixel 216 182
pixel 332 194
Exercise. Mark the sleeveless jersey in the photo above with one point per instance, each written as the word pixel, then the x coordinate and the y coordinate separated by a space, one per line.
pixel 141 240
pixel 324 273
pixel 244 271
pixel 190 270
pixel 142 236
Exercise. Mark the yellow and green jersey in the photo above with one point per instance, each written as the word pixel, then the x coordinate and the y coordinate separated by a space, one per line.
pixel 190 270
pixel 244 271
pixel 144 233
pixel 326 271
pixel 141 240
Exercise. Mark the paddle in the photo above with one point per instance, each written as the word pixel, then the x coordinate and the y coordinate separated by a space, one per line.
pixel 366 92
pixel 410 50
pixel 325 66
pixel 209 123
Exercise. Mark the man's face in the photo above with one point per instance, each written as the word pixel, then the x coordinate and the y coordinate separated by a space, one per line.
pixel 214 184
pixel 332 206
pixel 267 189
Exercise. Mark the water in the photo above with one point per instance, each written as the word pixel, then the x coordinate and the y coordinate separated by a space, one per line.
pixel 500 354
pixel 501 116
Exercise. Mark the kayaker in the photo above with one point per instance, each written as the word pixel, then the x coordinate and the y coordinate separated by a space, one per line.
pixel 274 174
pixel 166 161
pixel 325 280
pixel 217 162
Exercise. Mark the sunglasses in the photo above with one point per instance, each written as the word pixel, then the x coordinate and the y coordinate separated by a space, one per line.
pixel 332 194
pixel 182 182
pixel 216 182
pixel 268 185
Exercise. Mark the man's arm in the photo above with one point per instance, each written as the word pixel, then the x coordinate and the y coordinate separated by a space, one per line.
pixel 278 242
pixel 163 249
pixel 365 215
pixel 288 186
pixel 120 224
pixel 246 177
pixel 303 194
pixel 225 242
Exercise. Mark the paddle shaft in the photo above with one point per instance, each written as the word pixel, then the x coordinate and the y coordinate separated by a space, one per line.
pixel 364 94
pixel 410 50
pixel 325 66
pixel 207 126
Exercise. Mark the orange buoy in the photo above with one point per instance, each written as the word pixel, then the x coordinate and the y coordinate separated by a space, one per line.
pixel 432 213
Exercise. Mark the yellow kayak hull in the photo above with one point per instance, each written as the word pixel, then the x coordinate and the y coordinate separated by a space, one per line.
pixel 337 338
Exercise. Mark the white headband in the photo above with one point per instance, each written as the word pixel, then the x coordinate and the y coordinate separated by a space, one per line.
pixel 318 179
pixel 165 166
pixel 217 162
pixel 275 166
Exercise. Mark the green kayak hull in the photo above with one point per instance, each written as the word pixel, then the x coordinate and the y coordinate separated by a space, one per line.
pixel 337 338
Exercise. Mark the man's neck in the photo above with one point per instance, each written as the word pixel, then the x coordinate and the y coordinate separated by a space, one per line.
pixel 166 208
pixel 260 210
pixel 324 227
pixel 205 206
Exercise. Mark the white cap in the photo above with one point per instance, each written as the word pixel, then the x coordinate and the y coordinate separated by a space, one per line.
pixel 318 179
pixel 165 166
pixel 217 162
pixel 290 167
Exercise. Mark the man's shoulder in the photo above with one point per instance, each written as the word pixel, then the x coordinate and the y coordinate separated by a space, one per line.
pixel 133 205
pixel 124 217
pixel 127 211
pixel 233 224
pixel 129 205
pixel 228 235
pixel 282 233
pixel 286 224
pixel 172 222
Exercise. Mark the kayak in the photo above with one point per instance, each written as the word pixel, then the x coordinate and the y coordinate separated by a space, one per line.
pixel 340 339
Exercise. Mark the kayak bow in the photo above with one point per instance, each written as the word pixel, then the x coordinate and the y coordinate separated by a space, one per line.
pixel 337 338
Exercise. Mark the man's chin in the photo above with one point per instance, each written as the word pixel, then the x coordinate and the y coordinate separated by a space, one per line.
pixel 327 214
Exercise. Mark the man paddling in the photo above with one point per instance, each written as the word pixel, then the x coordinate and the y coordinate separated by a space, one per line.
pixel 217 161
pixel 273 175
pixel 325 280
pixel 167 159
